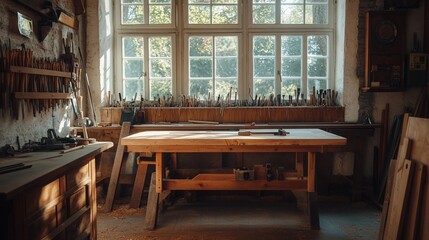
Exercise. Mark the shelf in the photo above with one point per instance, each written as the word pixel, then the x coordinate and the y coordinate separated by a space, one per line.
pixel 37 71
pixel 378 89
pixel 42 95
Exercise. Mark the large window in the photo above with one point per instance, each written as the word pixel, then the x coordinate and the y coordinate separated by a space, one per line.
pixel 215 47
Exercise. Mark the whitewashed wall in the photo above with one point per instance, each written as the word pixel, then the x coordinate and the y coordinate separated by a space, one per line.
pixel 32 128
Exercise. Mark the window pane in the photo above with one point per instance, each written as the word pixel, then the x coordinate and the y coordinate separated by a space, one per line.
pixel 160 68
pixel 226 46
pixel 132 47
pixel 160 47
pixel 318 45
pixel 263 86
pixel 132 1
pixel 225 14
pixel 160 87
pixel 201 67
pixel 199 14
pixel 317 83
pixel 225 1
pixel 223 86
pixel 292 14
pixel 131 87
pixel 263 67
pixel 159 14
pixel 159 1
pixel 263 46
pixel 291 67
pixel 199 1
pixel 291 45
pixel 316 14
pixel 226 67
pixel 317 67
pixel 200 87
pixel 289 86
pixel 200 46
pixel 132 14
pixel 133 68
pixel 264 13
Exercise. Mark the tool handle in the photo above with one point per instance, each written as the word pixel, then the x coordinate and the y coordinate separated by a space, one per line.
pixel 72 149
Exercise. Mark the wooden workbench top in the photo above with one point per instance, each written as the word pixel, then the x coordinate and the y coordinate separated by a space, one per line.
pixel 203 140
pixel 42 164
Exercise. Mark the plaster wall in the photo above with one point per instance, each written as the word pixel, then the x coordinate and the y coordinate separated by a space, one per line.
pixel 350 92
pixel 28 127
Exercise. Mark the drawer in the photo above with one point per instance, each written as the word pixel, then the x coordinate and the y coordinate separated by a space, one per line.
pixel 43 224
pixel 79 227
pixel 78 200
pixel 39 197
pixel 76 176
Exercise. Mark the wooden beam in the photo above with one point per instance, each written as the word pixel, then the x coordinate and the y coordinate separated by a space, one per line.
pixel 117 165
pixel 232 184
pixel 397 207
pixel 37 71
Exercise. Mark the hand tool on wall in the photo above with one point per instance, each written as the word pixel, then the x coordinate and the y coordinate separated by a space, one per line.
pixel 88 87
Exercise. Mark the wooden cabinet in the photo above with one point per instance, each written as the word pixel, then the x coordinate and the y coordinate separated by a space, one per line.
pixel 54 199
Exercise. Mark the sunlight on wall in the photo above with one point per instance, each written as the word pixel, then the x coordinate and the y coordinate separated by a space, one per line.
pixel 65 120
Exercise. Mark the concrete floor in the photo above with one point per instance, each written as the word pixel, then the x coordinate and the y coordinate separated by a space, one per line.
pixel 266 218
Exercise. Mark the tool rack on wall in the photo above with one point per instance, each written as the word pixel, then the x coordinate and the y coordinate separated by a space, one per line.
pixel 34 84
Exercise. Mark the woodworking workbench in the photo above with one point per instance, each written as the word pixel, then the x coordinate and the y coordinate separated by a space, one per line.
pixel 163 143
pixel 54 196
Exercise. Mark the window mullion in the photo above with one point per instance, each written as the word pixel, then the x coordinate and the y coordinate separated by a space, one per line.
pixel 146 11
pixel 304 81
pixel 214 66
pixel 146 69
pixel 278 63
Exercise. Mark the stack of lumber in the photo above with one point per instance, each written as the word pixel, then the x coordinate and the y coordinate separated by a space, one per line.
pixel 406 203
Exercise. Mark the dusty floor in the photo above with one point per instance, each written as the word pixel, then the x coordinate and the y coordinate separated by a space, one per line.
pixel 255 218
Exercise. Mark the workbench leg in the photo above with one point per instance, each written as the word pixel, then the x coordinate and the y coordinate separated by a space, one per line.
pixel 313 208
pixel 311 174
pixel 313 211
pixel 152 205
pixel 139 182
pixel 159 172
pixel 117 165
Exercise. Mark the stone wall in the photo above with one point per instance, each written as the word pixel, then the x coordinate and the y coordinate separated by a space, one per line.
pixel 28 127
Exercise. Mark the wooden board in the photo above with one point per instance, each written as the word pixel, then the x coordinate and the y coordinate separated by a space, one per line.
pixel 418 132
pixel 414 202
pixel 117 165
pixel 387 195
pixel 397 206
